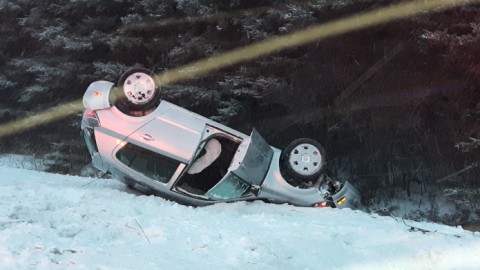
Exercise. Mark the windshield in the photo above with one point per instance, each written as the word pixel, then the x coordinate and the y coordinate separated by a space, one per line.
pixel 230 187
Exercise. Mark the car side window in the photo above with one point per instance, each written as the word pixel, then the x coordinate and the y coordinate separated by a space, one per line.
pixel 151 164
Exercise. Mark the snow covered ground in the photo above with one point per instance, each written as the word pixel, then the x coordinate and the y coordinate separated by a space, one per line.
pixel 50 221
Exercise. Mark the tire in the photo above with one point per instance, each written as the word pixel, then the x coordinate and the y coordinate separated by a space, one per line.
pixel 136 93
pixel 303 159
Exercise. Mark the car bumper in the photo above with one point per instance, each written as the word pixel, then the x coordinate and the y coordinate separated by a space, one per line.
pixel 347 197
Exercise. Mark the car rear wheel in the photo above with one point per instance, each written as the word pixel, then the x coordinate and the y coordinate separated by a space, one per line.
pixel 303 159
pixel 136 93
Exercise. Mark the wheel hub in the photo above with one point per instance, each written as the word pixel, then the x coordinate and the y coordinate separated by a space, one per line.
pixel 305 159
pixel 139 88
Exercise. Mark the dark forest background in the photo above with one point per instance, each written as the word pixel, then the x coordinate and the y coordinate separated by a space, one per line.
pixel 397 106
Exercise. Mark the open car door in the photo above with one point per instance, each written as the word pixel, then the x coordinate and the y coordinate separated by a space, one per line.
pixel 248 168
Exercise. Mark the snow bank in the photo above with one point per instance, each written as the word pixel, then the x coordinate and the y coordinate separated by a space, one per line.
pixel 50 221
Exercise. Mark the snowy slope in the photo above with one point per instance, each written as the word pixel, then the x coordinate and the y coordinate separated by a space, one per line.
pixel 50 221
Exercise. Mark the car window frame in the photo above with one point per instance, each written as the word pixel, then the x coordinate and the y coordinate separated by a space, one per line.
pixel 139 174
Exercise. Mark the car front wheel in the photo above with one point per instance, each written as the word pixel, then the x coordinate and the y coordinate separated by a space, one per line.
pixel 303 159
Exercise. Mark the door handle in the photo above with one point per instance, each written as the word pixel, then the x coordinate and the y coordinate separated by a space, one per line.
pixel 147 137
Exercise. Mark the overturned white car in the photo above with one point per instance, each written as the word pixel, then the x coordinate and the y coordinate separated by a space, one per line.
pixel 193 160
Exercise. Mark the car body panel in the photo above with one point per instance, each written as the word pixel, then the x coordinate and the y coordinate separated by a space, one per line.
pixel 97 95
pixel 175 140
pixel 347 197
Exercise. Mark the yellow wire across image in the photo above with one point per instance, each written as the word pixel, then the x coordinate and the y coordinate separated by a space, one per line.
pixel 254 51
